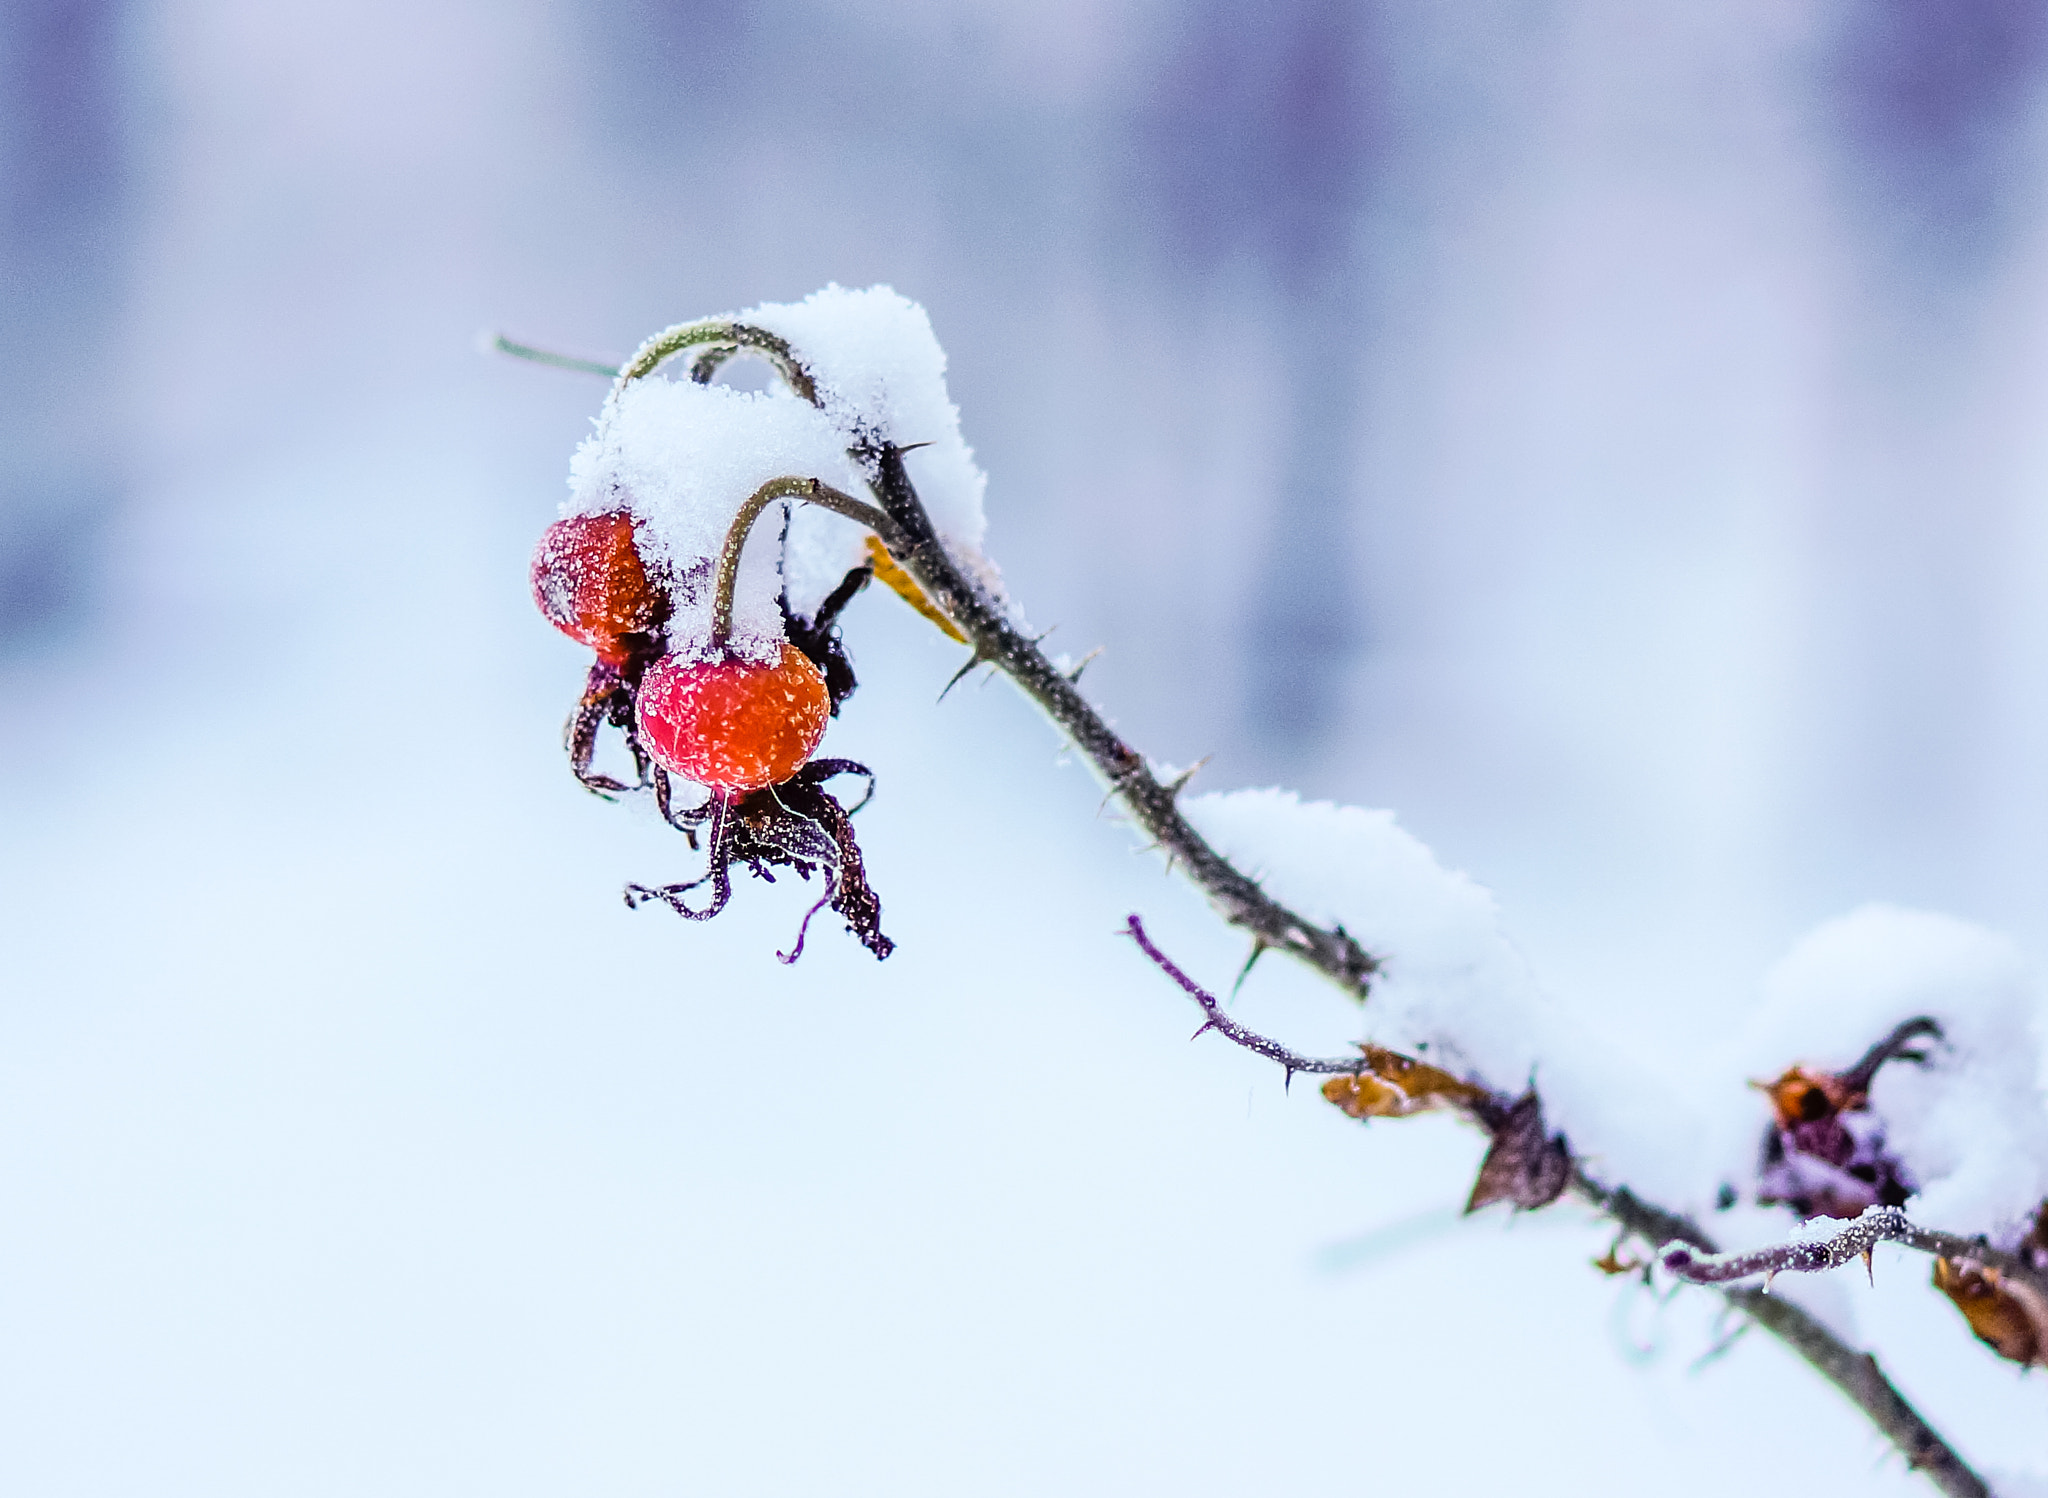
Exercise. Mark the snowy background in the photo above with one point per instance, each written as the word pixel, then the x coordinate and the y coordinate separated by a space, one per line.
pixel 1609 437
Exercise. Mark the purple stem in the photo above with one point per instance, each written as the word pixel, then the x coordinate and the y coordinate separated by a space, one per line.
pixel 1217 1020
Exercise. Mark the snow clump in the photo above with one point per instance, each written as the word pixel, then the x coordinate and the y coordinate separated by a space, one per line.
pixel 683 457
pixel 1969 1126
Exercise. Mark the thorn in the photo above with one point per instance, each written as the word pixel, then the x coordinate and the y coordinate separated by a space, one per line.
pixel 1181 780
pixel 972 661
pixel 1259 946
pixel 1074 675
pixel 1287 1079
pixel 913 447
pixel 1041 639
pixel 1207 1026
pixel 1769 1275
pixel 1171 855
pixel 1870 1268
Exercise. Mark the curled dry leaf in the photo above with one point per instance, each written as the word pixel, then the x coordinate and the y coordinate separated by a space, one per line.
pixel 1525 1166
pixel 2008 1316
pixel 1394 1086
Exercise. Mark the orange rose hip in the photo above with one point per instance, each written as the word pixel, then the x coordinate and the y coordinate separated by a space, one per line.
pixel 731 725
pixel 590 583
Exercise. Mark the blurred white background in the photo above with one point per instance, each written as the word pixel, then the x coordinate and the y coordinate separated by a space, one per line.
pixel 1608 435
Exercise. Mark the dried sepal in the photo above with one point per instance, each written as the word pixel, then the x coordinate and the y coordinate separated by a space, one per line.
pixel 1803 1095
pixel 1824 1154
pixel 796 825
pixel 801 826
pixel 1395 1086
pixel 1525 1166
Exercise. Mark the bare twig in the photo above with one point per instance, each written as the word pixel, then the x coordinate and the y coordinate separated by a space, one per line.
pixel 1895 1045
pixel 1801 1255
pixel 1223 1024
pixel 1856 1240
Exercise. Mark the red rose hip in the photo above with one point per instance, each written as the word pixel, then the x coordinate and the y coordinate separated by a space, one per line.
pixel 589 582
pixel 731 725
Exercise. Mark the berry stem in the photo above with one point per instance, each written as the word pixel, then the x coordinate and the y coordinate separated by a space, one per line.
pixel 724 339
pixel 811 491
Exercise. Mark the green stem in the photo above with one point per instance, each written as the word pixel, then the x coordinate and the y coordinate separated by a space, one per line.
pixel 728 338
pixel 811 491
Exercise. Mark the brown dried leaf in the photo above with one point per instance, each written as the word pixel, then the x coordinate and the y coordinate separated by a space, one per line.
pixel 2008 1317
pixel 1525 1166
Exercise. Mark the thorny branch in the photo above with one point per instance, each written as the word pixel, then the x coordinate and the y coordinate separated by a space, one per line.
pixel 1151 802
pixel 916 547
pixel 1856 1374
pixel 1335 953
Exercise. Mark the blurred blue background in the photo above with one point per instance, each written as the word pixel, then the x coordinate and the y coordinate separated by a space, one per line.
pixel 1608 435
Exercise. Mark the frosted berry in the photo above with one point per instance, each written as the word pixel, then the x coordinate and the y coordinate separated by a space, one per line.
pixel 731 725
pixel 589 581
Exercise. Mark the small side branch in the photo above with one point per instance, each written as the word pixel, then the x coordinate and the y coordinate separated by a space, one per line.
pixel 1817 1255
pixel 1223 1024
pixel 1800 1256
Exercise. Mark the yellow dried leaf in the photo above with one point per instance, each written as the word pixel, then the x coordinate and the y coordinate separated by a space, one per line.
pixel 1366 1096
pixel 1418 1079
pixel 1394 1086
pixel 905 587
